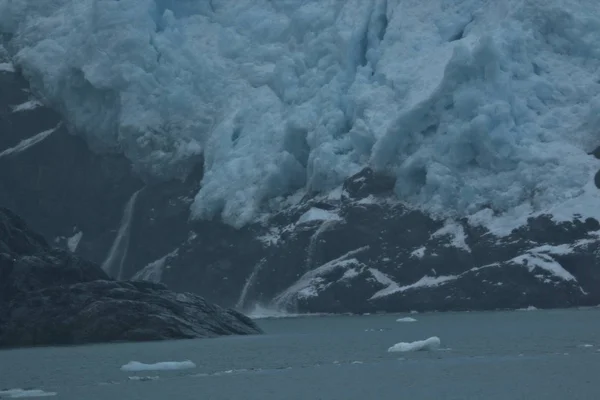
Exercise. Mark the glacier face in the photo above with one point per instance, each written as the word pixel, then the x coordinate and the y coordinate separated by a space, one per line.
pixel 480 108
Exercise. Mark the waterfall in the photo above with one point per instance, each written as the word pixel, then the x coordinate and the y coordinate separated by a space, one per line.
pixel 113 264
pixel 249 282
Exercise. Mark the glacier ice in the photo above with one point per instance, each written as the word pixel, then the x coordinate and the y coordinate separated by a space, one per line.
pixel 472 104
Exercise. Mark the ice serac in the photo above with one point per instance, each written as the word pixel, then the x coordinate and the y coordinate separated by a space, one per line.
pixel 472 105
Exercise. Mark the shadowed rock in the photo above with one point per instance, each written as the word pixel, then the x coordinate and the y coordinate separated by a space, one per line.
pixel 49 297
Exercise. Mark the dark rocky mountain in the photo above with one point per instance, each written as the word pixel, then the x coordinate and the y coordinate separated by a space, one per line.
pixel 49 296
pixel 360 250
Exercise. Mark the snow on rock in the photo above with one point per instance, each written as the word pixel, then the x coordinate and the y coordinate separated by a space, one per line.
pixel 73 241
pixel 29 142
pixel 418 253
pixel 136 366
pixel 312 283
pixel 457 234
pixel 153 271
pixel 432 343
pixel 317 214
pixel 27 106
pixel 7 67
pixel 24 393
pixel 406 319
pixel 481 109
pixel 545 262
pixel 424 282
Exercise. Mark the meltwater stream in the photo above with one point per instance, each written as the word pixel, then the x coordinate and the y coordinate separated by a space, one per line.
pixel 550 355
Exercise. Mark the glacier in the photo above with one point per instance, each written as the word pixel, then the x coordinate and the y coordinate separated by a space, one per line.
pixel 479 108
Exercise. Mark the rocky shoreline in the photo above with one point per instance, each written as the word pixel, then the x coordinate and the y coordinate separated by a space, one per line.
pixel 51 297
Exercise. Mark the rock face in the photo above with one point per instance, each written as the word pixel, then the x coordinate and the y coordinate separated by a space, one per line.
pixel 50 297
pixel 357 249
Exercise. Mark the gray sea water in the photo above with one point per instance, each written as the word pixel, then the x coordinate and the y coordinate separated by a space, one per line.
pixel 550 355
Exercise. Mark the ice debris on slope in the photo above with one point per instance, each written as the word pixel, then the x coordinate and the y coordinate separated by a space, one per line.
pixel 475 105
pixel 136 366
pixel 432 343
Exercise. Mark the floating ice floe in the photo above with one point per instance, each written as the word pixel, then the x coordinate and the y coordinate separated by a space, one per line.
pixel 406 319
pixel 136 366
pixel 24 393
pixel 431 343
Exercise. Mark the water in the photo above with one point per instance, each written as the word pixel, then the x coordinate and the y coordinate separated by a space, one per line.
pixel 492 356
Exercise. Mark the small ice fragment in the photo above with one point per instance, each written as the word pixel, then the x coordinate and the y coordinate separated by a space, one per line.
pixel 431 343
pixel 143 378
pixel 24 393
pixel 406 319
pixel 530 308
pixel 587 345
pixel 136 366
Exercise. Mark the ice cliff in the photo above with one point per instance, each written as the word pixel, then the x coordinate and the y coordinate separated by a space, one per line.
pixel 480 108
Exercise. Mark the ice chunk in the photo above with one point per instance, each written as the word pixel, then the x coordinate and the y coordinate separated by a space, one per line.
pixel 24 393
pixel 318 214
pixel 431 343
pixel 406 319
pixel 136 366
pixel 528 308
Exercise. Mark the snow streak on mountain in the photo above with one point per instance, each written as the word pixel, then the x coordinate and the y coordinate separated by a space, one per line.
pixel 485 109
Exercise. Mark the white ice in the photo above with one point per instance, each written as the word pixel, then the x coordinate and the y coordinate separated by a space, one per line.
pixel 318 214
pixel 73 241
pixel 406 319
pixel 29 142
pixel 136 366
pixel 484 109
pixel 24 393
pixel 7 67
pixel 432 343
pixel 27 106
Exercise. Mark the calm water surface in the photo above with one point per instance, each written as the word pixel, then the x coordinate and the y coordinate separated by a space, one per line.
pixel 549 355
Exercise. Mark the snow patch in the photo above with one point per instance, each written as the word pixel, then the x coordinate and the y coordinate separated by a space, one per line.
pixel 29 142
pixel 456 231
pixel 73 241
pixel 27 106
pixel 424 282
pixel 432 343
pixel 418 253
pixel 154 270
pixel 318 214
pixel 7 67
pixel 136 366
pixel 545 262
pixel 312 283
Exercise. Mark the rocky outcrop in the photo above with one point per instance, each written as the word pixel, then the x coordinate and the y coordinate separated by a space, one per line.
pixel 357 249
pixel 50 297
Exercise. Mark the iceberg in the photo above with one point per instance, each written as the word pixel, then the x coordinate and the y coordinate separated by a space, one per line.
pixel 432 343
pixel 136 366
